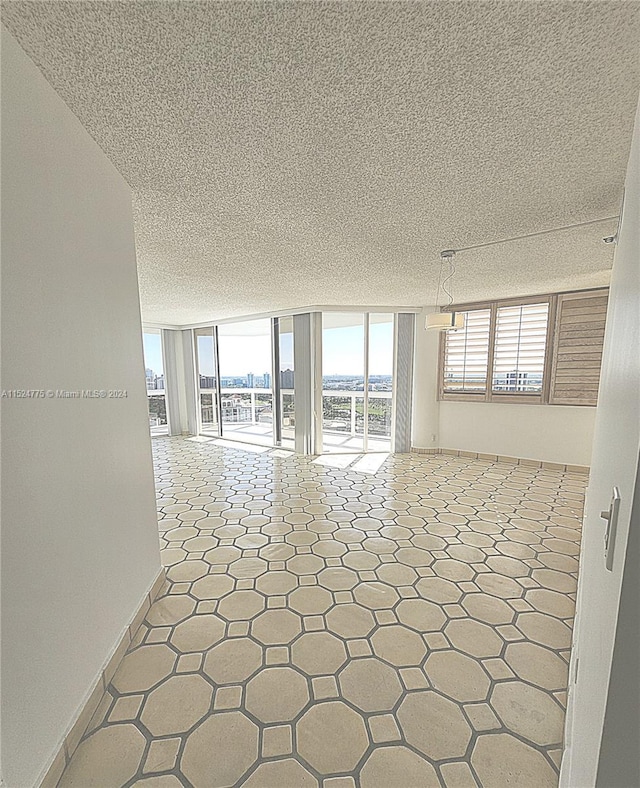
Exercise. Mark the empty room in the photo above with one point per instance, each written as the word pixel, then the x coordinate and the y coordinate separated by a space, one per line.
pixel 320 394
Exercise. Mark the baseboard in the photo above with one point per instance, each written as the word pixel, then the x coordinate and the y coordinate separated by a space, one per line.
pixel 71 739
pixel 552 466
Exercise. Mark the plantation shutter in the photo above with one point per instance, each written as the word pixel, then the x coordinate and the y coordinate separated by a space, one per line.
pixel 520 348
pixel 578 343
pixel 466 354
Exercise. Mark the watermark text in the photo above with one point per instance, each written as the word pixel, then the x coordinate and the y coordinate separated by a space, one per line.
pixel 64 394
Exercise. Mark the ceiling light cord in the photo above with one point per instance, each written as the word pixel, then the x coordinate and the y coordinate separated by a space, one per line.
pixel 455 320
pixel 439 281
pixel 452 270
pixel 450 252
pixel 443 318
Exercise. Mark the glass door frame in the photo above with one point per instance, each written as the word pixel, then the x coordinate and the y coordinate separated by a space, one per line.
pixel 275 382
pixel 367 344
pixel 217 390
pixel 214 430
pixel 218 387
pixel 217 430
pixel 366 323
pixel 284 327
pixel 166 428
pixel 365 411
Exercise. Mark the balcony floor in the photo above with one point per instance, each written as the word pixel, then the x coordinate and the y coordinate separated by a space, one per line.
pixel 262 435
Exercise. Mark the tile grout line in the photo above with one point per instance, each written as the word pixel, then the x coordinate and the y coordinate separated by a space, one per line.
pixel 256 532
pixel 472 455
pixel 64 752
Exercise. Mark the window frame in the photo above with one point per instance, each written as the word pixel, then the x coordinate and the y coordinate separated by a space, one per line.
pixel 488 395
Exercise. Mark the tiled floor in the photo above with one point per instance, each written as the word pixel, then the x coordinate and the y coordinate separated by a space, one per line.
pixel 324 626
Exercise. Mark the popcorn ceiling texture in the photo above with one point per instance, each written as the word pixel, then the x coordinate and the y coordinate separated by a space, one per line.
pixel 283 154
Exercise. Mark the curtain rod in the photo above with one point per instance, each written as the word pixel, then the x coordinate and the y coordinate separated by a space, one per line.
pixel 450 252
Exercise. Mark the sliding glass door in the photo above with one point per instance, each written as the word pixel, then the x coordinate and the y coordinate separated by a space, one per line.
pixel 208 380
pixel 357 377
pixel 284 333
pixel 379 382
pixel 245 369
pixel 246 379
pixel 343 377
pixel 154 373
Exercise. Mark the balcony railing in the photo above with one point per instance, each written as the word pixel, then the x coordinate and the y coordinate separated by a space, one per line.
pixel 239 406
pixel 157 411
pixel 342 411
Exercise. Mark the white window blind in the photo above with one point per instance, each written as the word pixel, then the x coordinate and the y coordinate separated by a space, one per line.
pixel 520 346
pixel 466 353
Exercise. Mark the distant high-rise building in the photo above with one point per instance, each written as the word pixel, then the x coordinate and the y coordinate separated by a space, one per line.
pixel 154 382
pixel 207 382
pixel 250 380
pixel 287 379
pixel 267 380
pixel 234 383
pixel 235 410
pixel 516 381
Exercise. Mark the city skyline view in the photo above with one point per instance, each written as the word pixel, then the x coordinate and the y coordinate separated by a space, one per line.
pixel 343 352
pixel 337 382
pixel 152 348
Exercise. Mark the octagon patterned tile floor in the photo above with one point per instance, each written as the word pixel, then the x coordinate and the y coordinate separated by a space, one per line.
pixel 330 628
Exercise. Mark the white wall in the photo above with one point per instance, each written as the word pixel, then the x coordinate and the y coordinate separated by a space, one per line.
pixel 551 433
pixel 615 459
pixel 80 542
pixel 426 408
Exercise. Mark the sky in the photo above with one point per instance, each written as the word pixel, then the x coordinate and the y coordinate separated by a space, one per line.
pixel 342 352
pixel 241 355
pixel 153 353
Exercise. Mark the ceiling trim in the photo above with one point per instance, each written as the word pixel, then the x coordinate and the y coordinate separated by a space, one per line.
pixel 284 313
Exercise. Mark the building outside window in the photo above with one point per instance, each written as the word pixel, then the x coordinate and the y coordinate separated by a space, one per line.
pixel 154 373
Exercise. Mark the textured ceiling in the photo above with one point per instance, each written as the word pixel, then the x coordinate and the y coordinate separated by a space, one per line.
pixel 283 154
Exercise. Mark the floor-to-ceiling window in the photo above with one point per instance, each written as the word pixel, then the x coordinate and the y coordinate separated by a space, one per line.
pixel 207 375
pixel 246 395
pixel 357 370
pixel 154 372
pixel 380 381
pixel 246 381
pixel 343 379
pixel 285 362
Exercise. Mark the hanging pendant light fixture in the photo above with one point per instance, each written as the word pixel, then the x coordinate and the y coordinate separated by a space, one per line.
pixel 445 321
pixel 448 321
